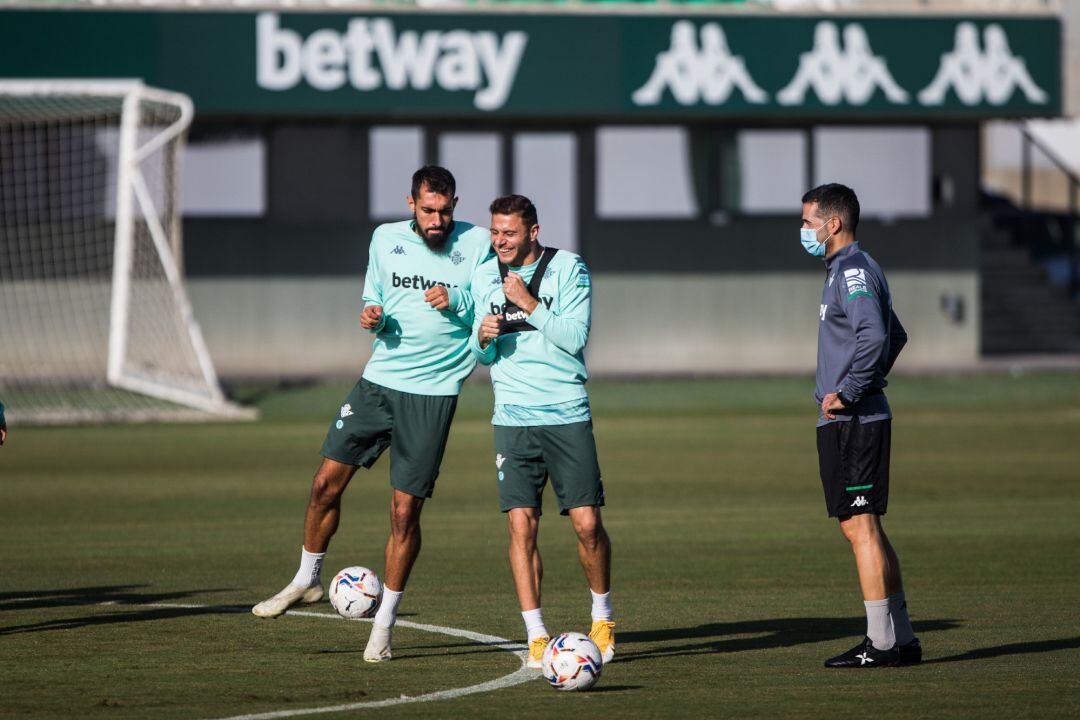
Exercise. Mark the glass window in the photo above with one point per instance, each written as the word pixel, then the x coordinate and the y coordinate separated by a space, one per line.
pixel 887 167
pixel 644 172
pixel 475 159
pixel 772 171
pixel 545 171
pixel 396 153
pixel 224 178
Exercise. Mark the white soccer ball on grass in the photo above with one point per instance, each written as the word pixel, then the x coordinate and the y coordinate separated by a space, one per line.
pixel 572 662
pixel 356 592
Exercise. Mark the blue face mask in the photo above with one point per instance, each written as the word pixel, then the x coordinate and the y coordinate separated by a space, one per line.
pixel 808 236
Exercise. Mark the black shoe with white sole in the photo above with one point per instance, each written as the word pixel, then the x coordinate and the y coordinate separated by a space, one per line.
pixel 865 655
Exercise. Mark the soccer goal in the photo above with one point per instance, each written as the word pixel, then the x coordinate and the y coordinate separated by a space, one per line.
pixel 95 323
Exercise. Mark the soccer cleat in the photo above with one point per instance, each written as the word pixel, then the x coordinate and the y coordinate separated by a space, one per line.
pixel 603 634
pixel 536 652
pixel 378 644
pixel 291 595
pixel 865 655
pixel 911 653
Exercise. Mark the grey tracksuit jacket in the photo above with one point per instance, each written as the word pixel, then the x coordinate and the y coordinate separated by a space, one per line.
pixel 859 336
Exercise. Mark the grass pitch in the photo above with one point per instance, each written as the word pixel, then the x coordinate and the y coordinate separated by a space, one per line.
pixel 730 585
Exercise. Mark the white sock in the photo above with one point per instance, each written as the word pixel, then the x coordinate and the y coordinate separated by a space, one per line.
pixel 387 614
pixel 310 571
pixel 534 624
pixel 879 626
pixel 601 605
pixel 901 622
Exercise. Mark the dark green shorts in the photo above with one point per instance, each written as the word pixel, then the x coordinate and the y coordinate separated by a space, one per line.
pixel 414 427
pixel 527 456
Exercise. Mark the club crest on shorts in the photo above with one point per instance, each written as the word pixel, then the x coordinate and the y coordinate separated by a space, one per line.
pixel 346 410
pixel 499 460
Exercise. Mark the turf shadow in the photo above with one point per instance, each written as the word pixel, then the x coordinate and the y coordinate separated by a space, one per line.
pixel 95 595
pixel 765 635
pixel 1024 648
pixel 144 615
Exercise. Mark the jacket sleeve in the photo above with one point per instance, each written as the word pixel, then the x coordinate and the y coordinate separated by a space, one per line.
pixel 860 297
pixel 897 340
pixel 373 294
pixel 567 326
pixel 478 289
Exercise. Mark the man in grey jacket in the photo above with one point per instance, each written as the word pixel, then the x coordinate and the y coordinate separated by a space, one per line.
pixel 859 338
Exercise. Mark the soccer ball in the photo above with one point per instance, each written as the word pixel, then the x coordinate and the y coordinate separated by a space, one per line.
pixel 356 592
pixel 572 662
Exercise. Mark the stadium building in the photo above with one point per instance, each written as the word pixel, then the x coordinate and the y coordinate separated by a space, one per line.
pixel 669 143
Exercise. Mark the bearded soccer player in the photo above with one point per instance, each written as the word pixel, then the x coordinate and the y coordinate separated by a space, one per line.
pixel 537 304
pixel 859 339
pixel 419 308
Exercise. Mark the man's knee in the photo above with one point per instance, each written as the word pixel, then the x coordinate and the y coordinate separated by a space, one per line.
pixel 523 525
pixel 405 514
pixel 588 526
pixel 327 487
pixel 861 529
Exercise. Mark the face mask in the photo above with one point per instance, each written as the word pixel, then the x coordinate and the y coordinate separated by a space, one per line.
pixel 808 236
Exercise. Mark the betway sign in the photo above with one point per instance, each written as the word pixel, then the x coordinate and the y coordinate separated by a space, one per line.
pixel 371 54
pixel 552 67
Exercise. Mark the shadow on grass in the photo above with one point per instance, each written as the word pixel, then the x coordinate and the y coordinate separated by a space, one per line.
pixel 1024 648
pixel 109 597
pixel 764 635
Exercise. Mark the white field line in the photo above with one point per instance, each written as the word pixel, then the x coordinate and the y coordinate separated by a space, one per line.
pixel 519 676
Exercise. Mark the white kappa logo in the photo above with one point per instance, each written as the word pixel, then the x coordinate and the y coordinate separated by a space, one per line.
pixel 838 74
pixel 346 410
pixel 989 74
pixel 860 502
pixel 692 74
pixel 499 460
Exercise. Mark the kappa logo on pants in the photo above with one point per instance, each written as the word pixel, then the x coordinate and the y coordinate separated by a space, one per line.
pixel 860 502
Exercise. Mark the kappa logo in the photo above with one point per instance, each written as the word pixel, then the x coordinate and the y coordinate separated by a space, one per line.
pixel 398 250
pixel 499 460
pixel 849 73
pixel 372 54
pixel 989 74
pixel 707 73
pixel 346 410
pixel 549 273
pixel 456 257
pixel 496 280
pixel 860 502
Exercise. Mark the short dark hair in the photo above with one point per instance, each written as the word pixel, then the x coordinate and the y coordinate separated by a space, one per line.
pixel 515 205
pixel 836 199
pixel 437 179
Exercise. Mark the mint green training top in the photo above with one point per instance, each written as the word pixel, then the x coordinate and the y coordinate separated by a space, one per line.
pixel 418 349
pixel 545 367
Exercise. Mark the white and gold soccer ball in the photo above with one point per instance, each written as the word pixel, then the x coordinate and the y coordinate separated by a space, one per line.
pixel 356 592
pixel 572 662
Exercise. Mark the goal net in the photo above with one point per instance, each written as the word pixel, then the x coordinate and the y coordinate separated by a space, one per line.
pixel 95 323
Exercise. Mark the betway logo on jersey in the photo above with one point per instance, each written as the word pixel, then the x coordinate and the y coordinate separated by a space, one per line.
pixel 497 309
pixel 416 281
pixel 371 54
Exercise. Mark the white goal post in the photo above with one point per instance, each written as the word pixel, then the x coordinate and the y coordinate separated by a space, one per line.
pixel 95 321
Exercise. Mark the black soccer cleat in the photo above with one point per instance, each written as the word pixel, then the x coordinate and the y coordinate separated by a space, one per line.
pixel 910 653
pixel 865 655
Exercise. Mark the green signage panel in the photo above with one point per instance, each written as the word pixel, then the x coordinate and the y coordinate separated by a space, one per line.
pixel 414 65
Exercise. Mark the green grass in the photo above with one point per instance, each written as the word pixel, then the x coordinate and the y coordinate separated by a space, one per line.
pixel 731 586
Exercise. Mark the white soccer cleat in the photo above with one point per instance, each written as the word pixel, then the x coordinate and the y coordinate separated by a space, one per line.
pixel 291 595
pixel 378 644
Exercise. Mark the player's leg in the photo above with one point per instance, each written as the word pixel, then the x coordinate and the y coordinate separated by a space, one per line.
pixel 522 476
pixel 856 492
pixel 421 428
pixel 906 642
pixel 357 436
pixel 570 454
pixel 320 523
